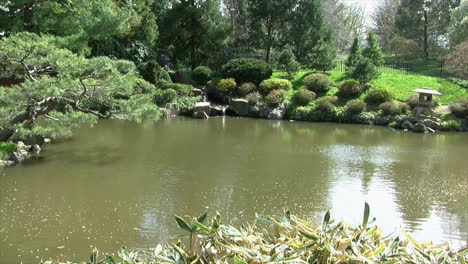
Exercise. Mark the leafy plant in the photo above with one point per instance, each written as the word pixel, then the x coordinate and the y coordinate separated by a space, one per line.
pixel 191 228
pixel 246 88
pixel 162 97
pixel 6 148
pixel 365 71
pixel 274 84
pixel 247 70
pixel 226 86
pixel 394 107
pixel 350 89
pixel 275 97
pixel 378 96
pixel 303 97
pixel 253 98
pixel 451 125
pixel 201 75
pixel 355 106
pixel 318 83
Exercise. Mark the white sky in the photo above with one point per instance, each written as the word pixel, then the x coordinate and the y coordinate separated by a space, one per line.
pixel 367 5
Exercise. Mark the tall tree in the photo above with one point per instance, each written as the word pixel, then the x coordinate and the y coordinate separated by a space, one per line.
pixel 458 27
pixel 267 19
pixel 323 56
pixel 384 21
pixel 372 51
pixel 354 54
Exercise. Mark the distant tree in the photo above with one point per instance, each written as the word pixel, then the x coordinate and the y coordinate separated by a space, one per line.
pixel 405 48
pixel 323 56
pixel 456 62
pixel 384 21
pixel 288 62
pixel 458 28
pixel 354 54
pixel 372 51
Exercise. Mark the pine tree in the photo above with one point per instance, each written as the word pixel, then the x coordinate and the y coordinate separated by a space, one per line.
pixel 288 62
pixel 373 51
pixel 322 56
pixel 354 54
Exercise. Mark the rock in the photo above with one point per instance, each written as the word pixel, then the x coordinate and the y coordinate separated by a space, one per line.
pixel 47 141
pixel 264 111
pixel 277 113
pixel 203 107
pixel 217 110
pixel 430 130
pixel 407 125
pixel 419 128
pixel 239 106
pixel 431 124
pixel 172 110
pixel 382 121
pixel 254 111
pixel 197 92
pixel 411 119
pixel 5 163
pixel 35 149
pixel 201 115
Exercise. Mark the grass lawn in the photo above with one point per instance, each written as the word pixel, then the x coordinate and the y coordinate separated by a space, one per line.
pixel 400 84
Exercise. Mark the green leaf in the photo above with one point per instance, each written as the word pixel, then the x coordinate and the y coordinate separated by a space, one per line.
pixel 326 219
pixel 182 224
pixel 365 220
pixel 158 250
pixel 201 226
pixel 202 218
pixel 263 218
pixel 238 261
pixel 93 257
pixel 309 236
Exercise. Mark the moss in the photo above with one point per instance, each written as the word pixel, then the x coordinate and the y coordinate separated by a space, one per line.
pixel 6 148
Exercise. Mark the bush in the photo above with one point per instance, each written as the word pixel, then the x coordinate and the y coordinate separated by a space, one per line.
pixel 181 89
pixel 253 98
pixel 326 104
pixel 187 104
pixel 356 106
pixel 451 125
pixel 275 97
pixel 365 71
pixel 462 83
pixel 393 108
pixel 413 100
pixel 318 83
pixel 274 84
pixel 303 97
pixel 6 148
pixel 247 70
pixel 226 86
pixel 456 62
pixel 350 89
pixel 460 108
pixel 162 97
pixel 201 75
pixel 153 73
pixel 246 88
pixel 378 96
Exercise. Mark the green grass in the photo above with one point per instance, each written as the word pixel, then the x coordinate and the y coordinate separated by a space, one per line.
pixel 6 148
pixel 401 85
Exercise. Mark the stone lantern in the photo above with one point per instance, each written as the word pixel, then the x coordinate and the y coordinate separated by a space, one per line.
pixel 425 103
pixel 164 60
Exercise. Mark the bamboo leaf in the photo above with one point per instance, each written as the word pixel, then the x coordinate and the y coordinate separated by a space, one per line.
pixel 201 226
pixel 326 219
pixel 202 218
pixel 365 219
pixel 238 261
pixel 182 224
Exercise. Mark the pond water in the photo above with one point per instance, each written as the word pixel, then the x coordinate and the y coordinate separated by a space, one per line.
pixel 121 183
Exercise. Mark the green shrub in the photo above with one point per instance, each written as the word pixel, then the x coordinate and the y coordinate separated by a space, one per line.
pixel 378 96
pixel 253 98
pixel 152 72
pixel 246 88
pixel 413 100
pixel 461 82
pixel 325 105
pixel 460 108
pixel 451 125
pixel 356 106
pixel 162 97
pixel 226 86
pixel 181 89
pixel 274 84
pixel 365 71
pixel 247 70
pixel 318 83
pixel 6 148
pixel 201 75
pixel 187 104
pixel 393 108
pixel 275 97
pixel 303 97
pixel 350 89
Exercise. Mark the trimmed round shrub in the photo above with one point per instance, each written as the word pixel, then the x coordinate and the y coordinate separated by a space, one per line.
pixel 274 84
pixel 303 97
pixel 326 104
pixel 350 89
pixel 356 106
pixel 378 96
pixel 393 107
pixel 162 97
pixel 460 108
pixel 246 88
pixel 247 70
pixel 275 97
pixel 226 86
pixel 201 75
pixel 318 83
pixel 152 72
pixel 365 71
pixel 181 89
pixel 253 98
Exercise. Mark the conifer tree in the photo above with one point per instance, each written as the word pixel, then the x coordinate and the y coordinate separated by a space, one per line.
pixel 373 51
pixel 354 54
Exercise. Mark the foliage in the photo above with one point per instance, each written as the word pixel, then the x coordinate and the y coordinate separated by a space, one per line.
pixel 354 54
pixel 275 97
pixel 274 84
pixel 406 48
pixel 246 88
pixel 462 83
pixel 451 125
pixel 163 97
pixel 303 97
pixel 287 62
pixel 226 86
pixel 247 70
pixel 253 98
pixel 318 83
pixel 456 62
pixel 181 89
pixel 378 96
pixel 350 89
pixel 322 57
pixel 458 28
pixel 153 73
pixel 460 108
pixel 365 71
pixel 325 109
pixel 187 104
pixel 57 84
pixel 356 106
pixel 392 108
pixel 201 75
pixel 6 148
pixel 372 51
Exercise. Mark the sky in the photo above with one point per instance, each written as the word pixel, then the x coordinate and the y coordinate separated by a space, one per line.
pixel 367 5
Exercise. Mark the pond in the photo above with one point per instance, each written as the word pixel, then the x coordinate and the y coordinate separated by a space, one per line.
pixel 121 183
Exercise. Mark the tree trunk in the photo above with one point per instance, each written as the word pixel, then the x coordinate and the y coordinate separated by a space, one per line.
pixel 27 17
pixel 426 48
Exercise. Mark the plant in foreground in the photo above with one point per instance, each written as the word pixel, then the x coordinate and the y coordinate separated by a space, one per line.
pixel 292 240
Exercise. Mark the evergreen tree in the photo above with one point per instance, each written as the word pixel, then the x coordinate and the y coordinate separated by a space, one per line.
pixel 287 62
pixel 373 51
pixel 322 56
pixel 354 54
